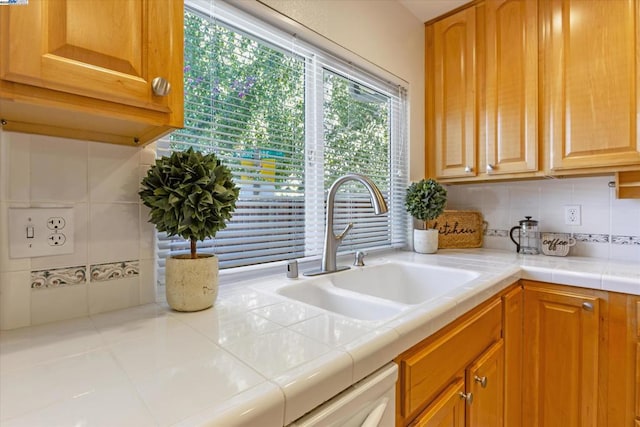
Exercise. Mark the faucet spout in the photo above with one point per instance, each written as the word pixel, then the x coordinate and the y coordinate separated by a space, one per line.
pixel 331 241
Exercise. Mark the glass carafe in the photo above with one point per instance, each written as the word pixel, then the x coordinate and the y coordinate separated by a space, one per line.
pixel 528 236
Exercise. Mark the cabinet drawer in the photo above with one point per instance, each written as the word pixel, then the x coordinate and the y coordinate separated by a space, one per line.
pixel 425 372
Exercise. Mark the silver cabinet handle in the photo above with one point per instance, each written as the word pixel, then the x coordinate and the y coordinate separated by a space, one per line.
pixel 468 169
pixel 160 86
pixel 587 306
pixel 481 380
pixel 490 168
pixel 467 396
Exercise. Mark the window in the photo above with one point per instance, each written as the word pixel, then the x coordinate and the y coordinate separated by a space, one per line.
pixel 288 119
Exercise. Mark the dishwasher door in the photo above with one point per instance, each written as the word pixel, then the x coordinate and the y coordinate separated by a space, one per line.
pixel 370 402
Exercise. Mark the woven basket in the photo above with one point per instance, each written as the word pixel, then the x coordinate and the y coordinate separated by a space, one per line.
pixel 459 229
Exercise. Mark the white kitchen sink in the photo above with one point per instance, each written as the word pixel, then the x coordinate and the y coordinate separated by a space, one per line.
pixel 402 282
pixel 321 293
pixel 377 292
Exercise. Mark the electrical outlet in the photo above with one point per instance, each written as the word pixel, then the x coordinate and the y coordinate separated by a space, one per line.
pixel 572 215
pixel 56 223
pixel 56 239
pixel 37 232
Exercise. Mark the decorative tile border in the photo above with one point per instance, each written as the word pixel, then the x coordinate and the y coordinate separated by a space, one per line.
pixel 114 270
pixel 625 240
pixel 58 277
pixel 496 233
pixel 580 237
pixel 591 238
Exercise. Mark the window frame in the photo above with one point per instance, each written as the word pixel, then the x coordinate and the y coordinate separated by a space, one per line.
pixel 398 122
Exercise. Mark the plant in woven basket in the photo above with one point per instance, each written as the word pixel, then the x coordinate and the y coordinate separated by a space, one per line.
pixel 425 200
pixel 190 194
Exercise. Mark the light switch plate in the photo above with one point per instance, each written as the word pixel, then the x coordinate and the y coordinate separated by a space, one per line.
pixel 35 232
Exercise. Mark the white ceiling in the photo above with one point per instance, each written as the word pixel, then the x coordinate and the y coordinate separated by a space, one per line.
pixel 429 9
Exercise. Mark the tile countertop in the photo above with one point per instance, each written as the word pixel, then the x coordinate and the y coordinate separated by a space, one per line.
pixel 254 359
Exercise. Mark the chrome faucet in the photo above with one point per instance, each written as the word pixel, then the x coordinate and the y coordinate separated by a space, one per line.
pixel 331 241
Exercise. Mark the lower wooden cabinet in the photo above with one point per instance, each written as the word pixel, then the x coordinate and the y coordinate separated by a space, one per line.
pixel 537 354
pixel 562 332
pixel 477 399
pixel 456 376
pixel 578 358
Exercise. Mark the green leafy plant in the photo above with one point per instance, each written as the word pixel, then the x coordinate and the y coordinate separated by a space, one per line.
pixel 190 194
pixel 425 199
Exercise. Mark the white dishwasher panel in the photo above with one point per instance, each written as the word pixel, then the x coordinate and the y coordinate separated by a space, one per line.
pixel 370 402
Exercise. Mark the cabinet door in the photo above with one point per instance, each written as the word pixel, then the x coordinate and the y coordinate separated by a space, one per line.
pixel 447 410
pixel 560 381
pixel 485 381
pixel 511 109
pixel 454 86
pixel 591 83
pixel 107 50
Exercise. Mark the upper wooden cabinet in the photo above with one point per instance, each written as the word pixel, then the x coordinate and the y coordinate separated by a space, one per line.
pixel 591 83
pixel 482 91
pixel 85 69
pixel 526 88
pixel 510 143
pixel 451 94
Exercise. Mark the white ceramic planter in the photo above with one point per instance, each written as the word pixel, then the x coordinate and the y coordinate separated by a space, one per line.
pixel 191 284
pixel 425 241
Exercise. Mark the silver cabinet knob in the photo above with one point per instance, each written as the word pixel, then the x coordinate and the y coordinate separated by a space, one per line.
pixel 587 306
pixel 490 168
pixel 468 169
pixel 160 86
pixel 481 380
pixel 467 396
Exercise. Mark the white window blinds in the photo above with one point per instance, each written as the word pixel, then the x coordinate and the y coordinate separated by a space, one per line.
pixel 288 119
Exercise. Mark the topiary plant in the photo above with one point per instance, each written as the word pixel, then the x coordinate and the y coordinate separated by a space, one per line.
pixel 425 199
pixel 190 194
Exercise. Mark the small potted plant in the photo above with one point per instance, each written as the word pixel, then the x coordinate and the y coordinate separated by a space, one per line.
pixel 191 195
pixel 425 201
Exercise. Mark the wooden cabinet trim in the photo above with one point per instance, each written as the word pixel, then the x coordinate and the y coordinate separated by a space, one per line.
pixel 637 391
pixel 513 351
pixel 638 318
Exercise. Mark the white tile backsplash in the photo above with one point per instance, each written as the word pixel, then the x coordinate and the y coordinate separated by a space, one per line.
pixel 67 302
pixel 113 294
pixel 16 158
pixel 113 173
pixel 603 216
pixel 114 232
pixel 58 170
pixel 100 181
pixel 15 299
